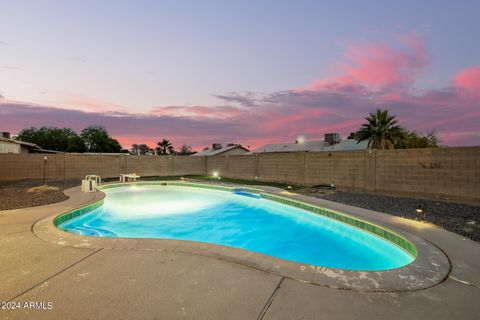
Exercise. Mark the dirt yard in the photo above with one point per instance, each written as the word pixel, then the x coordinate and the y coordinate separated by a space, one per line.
pixel 22 194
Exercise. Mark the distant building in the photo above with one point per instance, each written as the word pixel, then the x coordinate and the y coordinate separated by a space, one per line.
pixel 217 150
pixel 332 142
pixel 8 145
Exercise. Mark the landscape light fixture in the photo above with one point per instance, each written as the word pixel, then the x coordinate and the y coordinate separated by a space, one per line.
pixel 289 187
pixel 215 174
pixel 181 178
pixel 422 209
pixel 45 159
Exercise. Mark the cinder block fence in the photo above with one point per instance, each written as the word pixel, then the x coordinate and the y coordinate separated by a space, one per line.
pixel 446 172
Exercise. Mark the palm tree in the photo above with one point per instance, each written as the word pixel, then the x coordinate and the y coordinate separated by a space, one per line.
pixel 381 130
pixel 164 146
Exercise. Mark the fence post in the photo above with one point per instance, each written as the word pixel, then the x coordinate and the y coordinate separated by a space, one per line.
pixel 371 170
pixel 256 166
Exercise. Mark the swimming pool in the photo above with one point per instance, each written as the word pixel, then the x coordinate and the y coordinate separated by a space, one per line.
pixel 240 219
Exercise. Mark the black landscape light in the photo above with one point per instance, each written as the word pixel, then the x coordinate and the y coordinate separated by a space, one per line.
pixel 422 209
pixel 45 159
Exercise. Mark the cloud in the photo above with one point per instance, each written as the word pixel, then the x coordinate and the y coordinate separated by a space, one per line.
pixel 246 99
pixel 219 112
pixel 468 81
pixel 86 103
pixel 370 76
pixel 4 43
pixel 127 127
pixel 378 65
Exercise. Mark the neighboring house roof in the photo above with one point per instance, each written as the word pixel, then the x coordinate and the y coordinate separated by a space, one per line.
pixel 214 152
pixel 31 146
pixel 317 145
pixel 26 144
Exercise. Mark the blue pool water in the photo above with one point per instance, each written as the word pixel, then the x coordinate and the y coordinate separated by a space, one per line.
pixel 236 219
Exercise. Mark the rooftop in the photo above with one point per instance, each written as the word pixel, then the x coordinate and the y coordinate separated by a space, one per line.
pixel 214 152
pixel 32 147
pixel 314 145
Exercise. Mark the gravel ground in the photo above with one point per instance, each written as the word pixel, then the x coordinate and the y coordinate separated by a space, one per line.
pixel 22 194
pixel 463 219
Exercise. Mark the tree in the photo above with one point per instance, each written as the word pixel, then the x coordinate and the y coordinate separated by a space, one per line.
pixel 164 147
pixel 76 144
pixel 49 138
pixel 410 139
pixel 97 139
pixel 142 149
pixel 381 130
pixel 185 150
pixel 134 149
pixel 113 146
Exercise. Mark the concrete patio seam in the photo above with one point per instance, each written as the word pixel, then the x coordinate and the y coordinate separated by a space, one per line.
pixel 270 300
pixel 54 275
pixel 463 282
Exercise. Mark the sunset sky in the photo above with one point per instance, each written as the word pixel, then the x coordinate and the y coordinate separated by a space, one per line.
pixel 249 72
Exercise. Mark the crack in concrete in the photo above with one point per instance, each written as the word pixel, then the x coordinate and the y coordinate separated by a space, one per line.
pixel 270 300
pixel 54 275
pixel 464 282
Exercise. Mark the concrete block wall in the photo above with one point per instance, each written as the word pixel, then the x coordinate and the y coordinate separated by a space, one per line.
pixel 285 167
pixel 76 166
pixel 145 165
pixel 218 164
pixel 30 166
pixel 242 167
pixel 344 169
pixel 185 165
pixel 446 172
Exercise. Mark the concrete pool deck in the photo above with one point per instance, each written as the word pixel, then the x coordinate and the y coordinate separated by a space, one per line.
pixel 132 280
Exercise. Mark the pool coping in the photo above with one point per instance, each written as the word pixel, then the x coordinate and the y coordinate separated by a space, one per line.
pixel 430 267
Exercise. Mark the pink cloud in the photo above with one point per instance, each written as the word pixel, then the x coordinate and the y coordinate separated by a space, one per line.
pixel 338 83
pixel 382 65
pixel 371 76
pixel 462 138
pixel 283 119
pixel 85 103
pixel 221 112
pixel 468 80
pixel 378 65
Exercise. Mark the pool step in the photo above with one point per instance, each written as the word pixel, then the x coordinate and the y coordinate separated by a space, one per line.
pixel 247 194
